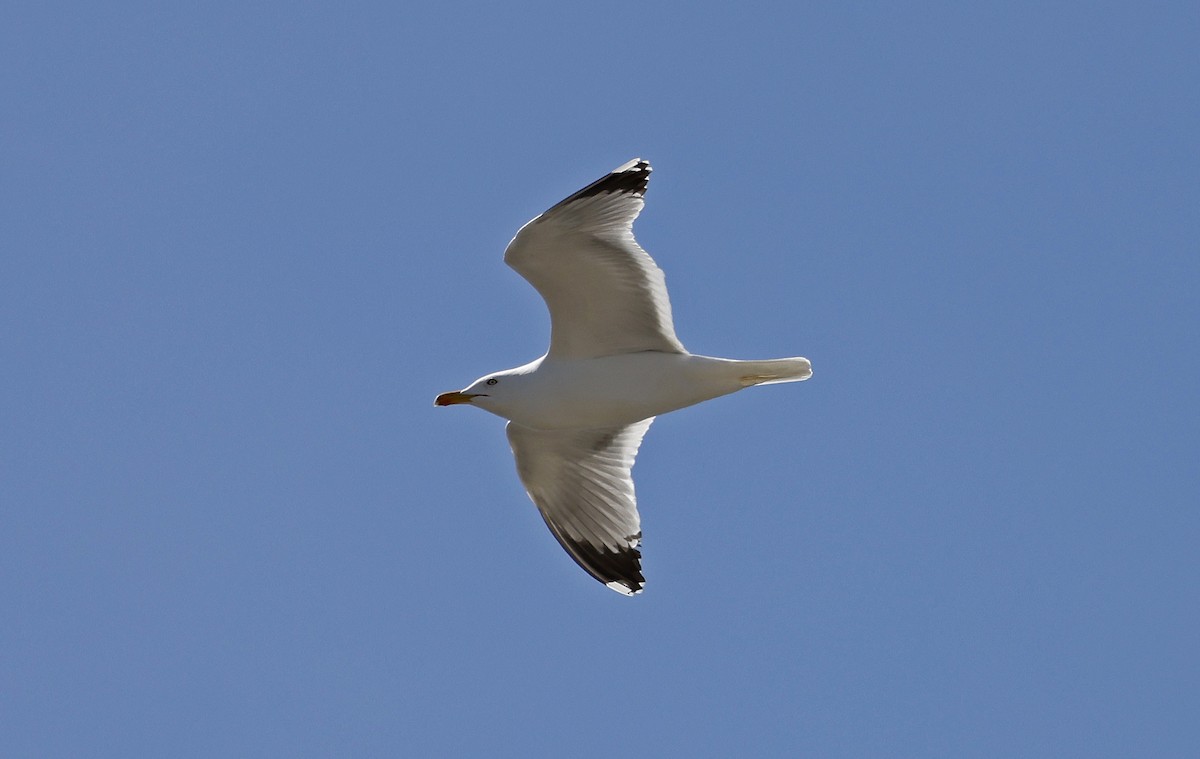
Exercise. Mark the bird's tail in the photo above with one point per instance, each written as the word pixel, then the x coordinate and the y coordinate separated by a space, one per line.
pixel 774 371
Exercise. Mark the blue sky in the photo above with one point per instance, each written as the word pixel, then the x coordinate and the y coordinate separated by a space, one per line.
pixel 245 246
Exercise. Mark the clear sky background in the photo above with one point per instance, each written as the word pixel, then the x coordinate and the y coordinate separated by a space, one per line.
pixel 243 247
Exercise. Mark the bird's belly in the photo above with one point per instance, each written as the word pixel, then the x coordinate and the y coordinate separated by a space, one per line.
pixel 620 390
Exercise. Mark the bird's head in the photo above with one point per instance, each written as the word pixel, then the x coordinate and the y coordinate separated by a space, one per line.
pixel 488 392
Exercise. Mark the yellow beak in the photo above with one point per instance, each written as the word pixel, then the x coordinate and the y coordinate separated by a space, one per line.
pixel 450 399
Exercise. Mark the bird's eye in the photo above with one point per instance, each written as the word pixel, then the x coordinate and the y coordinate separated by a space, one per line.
pixel 492 381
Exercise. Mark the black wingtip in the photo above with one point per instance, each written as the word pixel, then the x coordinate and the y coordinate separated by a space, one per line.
pixel 620 569
pixel 631 177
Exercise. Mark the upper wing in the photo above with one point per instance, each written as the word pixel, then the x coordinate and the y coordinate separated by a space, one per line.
pixel 605 294
pixel 580 481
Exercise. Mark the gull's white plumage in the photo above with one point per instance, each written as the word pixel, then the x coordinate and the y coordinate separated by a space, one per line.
pixel 579 413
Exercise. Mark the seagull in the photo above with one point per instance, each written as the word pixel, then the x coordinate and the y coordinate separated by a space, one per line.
pixel 577 415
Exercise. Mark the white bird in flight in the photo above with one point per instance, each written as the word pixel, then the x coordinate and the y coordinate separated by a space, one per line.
pixel 578 414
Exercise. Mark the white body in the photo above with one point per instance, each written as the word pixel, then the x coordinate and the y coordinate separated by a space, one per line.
pixel 588 393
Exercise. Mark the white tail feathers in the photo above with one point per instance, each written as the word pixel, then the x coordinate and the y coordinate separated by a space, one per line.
pixel 774 371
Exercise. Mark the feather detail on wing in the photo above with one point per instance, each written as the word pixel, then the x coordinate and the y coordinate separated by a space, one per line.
pixel 605 294
pixel 580 481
